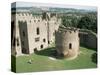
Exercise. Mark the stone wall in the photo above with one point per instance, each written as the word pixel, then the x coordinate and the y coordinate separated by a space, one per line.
pixel 33 41
pixel 88 38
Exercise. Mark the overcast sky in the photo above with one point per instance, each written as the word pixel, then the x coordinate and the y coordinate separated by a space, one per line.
pixel 29 4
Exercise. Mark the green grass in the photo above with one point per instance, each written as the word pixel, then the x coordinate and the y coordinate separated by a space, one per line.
pixel 41 62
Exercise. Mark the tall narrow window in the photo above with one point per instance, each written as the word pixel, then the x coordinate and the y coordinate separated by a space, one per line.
pixel 48 42
pixel 44 40
pixel 38 31
pixel 70 46
pixel 41 46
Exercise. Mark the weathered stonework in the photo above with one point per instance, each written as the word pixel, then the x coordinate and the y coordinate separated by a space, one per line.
pixel 33 32
pixel 67 42
pixel 88 38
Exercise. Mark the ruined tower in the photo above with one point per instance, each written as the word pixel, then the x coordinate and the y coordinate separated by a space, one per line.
pixel 67 42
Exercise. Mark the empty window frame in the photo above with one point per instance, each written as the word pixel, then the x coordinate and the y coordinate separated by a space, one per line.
pixel 44 40
pixel 37 31
pixel 41 46
pixel 70 46
pixel 48 42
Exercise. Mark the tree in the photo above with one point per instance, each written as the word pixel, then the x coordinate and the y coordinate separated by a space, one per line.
pixel 69 21
pixel 74 22
pixel 84 23
pixel 89 23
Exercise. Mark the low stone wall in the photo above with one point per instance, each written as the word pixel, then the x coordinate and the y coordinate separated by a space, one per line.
pixel 88 38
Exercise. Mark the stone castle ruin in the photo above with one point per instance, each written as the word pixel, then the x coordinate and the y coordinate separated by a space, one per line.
pixel 32 33
pixel 67 42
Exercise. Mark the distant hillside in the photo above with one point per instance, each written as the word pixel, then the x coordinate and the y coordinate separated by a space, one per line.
pixel 49 9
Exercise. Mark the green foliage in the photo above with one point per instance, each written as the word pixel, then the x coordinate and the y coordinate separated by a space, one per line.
pixel 74 22
pixel 87 21
pixel 69 21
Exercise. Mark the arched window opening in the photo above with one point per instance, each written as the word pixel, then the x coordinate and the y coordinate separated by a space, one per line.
pixel 44 40
pixel 38 31
pixel 70 46
pixel 41 46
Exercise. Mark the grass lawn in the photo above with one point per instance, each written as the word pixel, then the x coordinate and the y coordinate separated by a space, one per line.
pixel 41 61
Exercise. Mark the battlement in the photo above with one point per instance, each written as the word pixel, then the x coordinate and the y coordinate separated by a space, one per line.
pixel 68 30
pixel 30 15
pixel 23 14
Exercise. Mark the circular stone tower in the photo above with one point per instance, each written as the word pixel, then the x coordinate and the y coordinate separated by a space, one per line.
pixel 67 42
